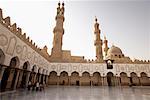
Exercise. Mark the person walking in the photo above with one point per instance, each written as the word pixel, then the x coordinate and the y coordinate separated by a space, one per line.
pixel 37 86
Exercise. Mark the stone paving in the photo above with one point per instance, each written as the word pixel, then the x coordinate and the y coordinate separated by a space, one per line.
pixel 81 93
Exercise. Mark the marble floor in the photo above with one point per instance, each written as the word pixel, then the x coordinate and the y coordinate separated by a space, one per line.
pixel 81 93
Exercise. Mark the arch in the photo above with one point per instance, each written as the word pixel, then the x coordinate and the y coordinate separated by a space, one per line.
pixel 133 74
pixel 143 74
pixel 123 74
pixel 10 74
pixel 75 79
pixel 124 80
pixel 26 65
pixel 84 74
pixel 96 79
pixel 144 80
pixel 64 79
pixel 85 79
pixel 110 79
pixel 14 63
pixel 2 57
pixel 134 80
pixel 53 78
pixel 23 76
pixel 32 77
pixel 34 68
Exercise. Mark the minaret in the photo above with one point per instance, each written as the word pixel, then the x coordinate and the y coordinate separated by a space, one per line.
pixel 58 33
pixel 98 42
pixel 105 46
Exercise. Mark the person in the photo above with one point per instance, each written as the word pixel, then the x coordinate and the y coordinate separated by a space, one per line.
pixel 29 85
pixel 37 86
pixel 41 86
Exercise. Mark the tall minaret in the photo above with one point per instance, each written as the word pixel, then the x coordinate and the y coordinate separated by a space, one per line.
pixel 105 46
pixel 98 42
pixel 58 33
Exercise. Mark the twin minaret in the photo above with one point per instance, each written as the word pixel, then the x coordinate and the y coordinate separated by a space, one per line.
pixel 58 32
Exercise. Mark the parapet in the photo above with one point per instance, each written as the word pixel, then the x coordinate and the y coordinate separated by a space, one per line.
pixel 6 22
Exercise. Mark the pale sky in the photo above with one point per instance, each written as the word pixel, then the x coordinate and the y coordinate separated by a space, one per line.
pixel 126 24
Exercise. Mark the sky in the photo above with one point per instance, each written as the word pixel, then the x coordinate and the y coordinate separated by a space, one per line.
pixel 125 23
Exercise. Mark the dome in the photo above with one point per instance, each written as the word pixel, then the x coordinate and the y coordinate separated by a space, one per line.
pixel 115 52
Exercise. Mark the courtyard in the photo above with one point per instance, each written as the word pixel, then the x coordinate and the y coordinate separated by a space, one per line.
pixel 81 93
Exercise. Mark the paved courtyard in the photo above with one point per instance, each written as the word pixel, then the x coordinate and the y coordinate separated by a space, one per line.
pixel 81 93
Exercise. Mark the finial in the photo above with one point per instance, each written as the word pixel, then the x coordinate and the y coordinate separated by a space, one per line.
pixel 95 19
pixel 63 3
pixel 104 37
pixel 59 3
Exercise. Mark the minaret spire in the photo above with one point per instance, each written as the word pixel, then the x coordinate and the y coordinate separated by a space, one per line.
pixel 105 46
pixel 98 42
pixel 58 33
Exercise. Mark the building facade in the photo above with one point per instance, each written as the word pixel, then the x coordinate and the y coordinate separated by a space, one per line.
pixel 22 61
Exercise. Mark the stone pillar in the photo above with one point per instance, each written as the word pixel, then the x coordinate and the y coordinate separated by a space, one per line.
pixel 105 81
pixel 17 77
pixel 20 78
pixel 2 72
pixel 102 81
pixel 34 77
pixel 46 79
pixel 39 78
pixel 69 80
pixel 10 79
pixel 27 79
pixel 58 80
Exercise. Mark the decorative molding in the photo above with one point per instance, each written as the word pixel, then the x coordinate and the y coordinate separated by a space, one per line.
pixel 3 40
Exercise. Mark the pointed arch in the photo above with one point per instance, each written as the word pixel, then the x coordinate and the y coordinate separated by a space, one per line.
pixel 144 80
pixel 85 79
pixel 75 79
pixel 124 80
pixel 64 79
pixel 134 79
pixel 53 78
pixel 96 79
pixel 14 63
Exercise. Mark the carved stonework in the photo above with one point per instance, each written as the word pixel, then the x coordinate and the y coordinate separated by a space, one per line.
pixel 18 49
pixel 11 46
pixel 3 40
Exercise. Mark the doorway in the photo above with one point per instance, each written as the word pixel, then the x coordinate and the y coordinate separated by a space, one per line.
pixel 110 78
pixel 77 83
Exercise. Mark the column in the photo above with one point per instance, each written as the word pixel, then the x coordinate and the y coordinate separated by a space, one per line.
pixel 10 79
pixel 39 78
pixel 46 79
pixel 2 72
pixel 20 79
pixel 58 80
pixel 34 77
pixel 27 79
pixel 17 77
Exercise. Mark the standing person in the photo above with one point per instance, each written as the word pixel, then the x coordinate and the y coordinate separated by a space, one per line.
pixel 37 86
pixel 29 85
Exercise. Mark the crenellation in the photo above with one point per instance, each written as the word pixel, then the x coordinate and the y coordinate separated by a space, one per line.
pixel 34 43
pixel 1 15
pixel 24 35
pixel 14 28
pixel 19 31
pixel 7 21
pixel 28 38
pixel 31 42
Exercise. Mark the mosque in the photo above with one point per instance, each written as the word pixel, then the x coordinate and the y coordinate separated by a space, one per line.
pixel 21 61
